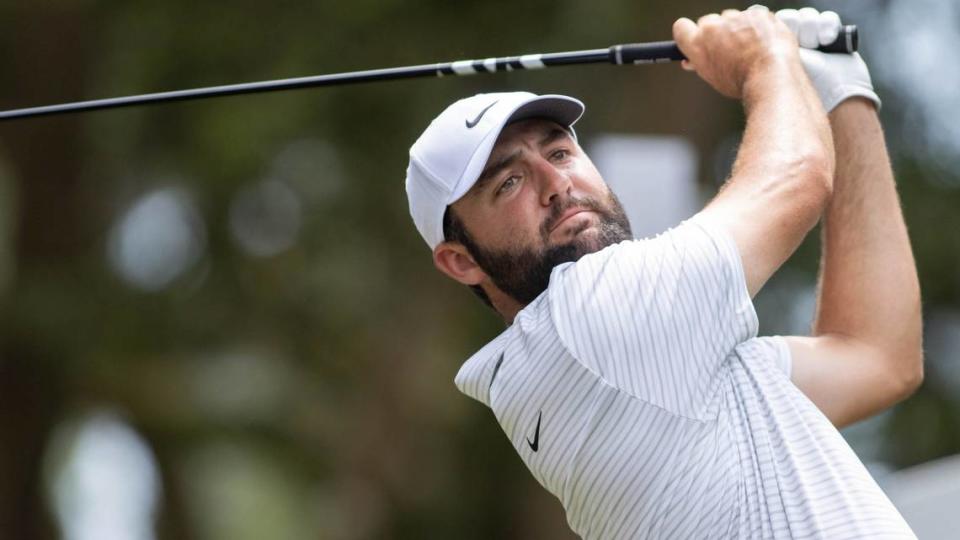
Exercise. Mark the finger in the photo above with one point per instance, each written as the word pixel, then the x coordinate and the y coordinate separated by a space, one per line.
pixel 684 31
pixel 758 7
pixel 828 27
pixel 791 18
pixel 708 18
pixel 685 64
pixel 809 28
pixel 730 12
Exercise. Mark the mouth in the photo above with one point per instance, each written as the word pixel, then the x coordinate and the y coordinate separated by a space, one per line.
pixel 567 215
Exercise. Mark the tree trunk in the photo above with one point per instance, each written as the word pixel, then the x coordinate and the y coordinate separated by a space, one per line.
pixel 44 62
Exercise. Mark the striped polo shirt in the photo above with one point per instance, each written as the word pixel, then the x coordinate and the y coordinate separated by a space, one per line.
pixel 636 390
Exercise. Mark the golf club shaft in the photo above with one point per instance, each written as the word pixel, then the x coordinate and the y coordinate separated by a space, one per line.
pixel 634 53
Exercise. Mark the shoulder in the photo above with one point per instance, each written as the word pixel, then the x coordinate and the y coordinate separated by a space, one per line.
pixel 477 374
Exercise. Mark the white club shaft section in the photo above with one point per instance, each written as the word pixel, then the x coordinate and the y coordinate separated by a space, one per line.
pixel 463 67
pixel 532 61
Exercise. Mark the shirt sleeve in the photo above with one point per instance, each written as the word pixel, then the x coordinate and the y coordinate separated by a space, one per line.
pixel 782 357
pixel 657 317
pixel 769 353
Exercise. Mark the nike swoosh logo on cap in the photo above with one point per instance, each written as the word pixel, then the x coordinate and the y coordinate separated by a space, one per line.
pixel 479 116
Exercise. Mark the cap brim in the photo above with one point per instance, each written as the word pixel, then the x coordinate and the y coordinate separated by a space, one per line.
pixel 561 109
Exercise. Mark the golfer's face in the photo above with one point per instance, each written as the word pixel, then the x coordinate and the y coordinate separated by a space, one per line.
pixel 523 196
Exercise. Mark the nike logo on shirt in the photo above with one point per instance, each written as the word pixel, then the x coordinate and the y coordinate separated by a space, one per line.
pixel 535 443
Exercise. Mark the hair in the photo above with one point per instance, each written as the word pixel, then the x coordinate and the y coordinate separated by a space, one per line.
pixel 455 231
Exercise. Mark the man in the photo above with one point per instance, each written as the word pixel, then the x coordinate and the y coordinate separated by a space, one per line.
pixel 631 380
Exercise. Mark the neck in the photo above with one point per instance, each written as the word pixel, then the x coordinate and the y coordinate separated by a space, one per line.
pixel 504 304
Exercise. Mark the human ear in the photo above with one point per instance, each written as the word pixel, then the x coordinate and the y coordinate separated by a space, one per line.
pixel 453 259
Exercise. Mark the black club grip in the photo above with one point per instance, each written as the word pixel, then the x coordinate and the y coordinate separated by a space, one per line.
pixel 667 51
pixel 847 41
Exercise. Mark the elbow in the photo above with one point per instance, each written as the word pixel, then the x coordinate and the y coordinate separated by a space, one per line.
pixel 817 170
pixel 910 376
pixel 911 356
pixel 915 377
pixel 809 184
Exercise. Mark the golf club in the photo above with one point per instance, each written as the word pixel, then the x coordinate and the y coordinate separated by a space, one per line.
pixel 634 53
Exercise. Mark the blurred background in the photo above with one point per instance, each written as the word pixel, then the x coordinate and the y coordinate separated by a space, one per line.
pixel 217 320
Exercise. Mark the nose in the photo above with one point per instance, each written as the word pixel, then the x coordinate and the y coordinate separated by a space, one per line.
pixel 554 183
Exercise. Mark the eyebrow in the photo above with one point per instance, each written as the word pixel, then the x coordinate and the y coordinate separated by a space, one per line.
pixel 494 168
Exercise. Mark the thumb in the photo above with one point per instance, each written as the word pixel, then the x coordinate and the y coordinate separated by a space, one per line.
pixel 684 33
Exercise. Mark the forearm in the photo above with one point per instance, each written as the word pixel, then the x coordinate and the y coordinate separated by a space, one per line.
pixel 783 175
pixel 784 170
pixel 787 133
pixel 869 289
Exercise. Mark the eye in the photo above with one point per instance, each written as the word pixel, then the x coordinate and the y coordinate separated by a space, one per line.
pixel 560 154
pixel 508 184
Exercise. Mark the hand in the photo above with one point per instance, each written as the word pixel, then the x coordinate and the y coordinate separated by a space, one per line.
pixel 726 50
pixel 835 76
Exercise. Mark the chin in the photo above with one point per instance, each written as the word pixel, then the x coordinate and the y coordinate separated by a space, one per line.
pixel 589 244
pixel 581 243
pixel 588 237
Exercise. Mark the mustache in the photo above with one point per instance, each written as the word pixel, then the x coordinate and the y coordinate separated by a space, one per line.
pixel 558 208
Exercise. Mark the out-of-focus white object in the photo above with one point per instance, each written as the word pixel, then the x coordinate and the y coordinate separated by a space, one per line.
pixel 107 484
pixel 928 497
pixel 158 239
pixel 655 178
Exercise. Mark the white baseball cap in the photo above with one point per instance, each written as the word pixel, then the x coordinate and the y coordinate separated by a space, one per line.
pixel 451 153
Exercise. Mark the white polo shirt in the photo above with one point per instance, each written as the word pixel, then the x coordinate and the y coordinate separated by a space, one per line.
pixel 636 390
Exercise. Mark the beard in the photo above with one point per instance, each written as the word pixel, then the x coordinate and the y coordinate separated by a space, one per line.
pixel 523 273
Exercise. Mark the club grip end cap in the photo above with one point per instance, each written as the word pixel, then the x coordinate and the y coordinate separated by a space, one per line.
pixel 848 41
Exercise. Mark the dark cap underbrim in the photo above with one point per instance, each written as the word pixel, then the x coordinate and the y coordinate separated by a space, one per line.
pixel 561 109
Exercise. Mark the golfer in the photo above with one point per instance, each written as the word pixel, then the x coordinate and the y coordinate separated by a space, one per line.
pixel 630 379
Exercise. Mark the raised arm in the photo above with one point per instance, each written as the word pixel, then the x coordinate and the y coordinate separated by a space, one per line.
pixel 865 353
pixel 783 174
pixel 865 350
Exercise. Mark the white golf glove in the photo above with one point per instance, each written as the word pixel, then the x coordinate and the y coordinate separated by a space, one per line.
pixel 835 76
